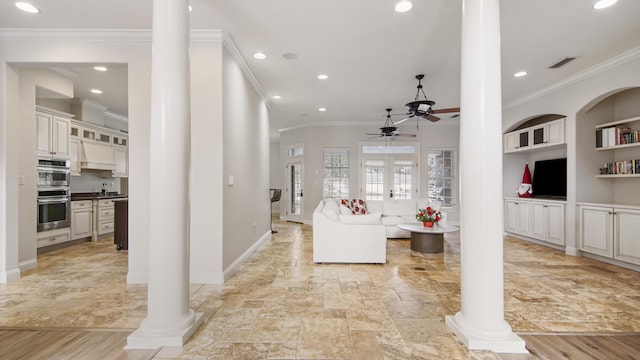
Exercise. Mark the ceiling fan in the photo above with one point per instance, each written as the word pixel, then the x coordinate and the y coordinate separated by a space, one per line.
pixel 389 130
pixel 424 108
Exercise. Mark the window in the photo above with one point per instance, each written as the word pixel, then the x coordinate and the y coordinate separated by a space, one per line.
pixel 441 176
pixel 336 174
pixel 374 179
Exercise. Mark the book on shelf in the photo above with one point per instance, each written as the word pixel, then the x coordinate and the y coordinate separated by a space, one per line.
pixel 626 167
pixel 615 136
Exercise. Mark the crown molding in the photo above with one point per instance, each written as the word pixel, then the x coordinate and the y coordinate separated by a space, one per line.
pixel 311 124
pixel 64 71
pixel 603 66
pixel 230 45
pixel 116 116
pixel 76 34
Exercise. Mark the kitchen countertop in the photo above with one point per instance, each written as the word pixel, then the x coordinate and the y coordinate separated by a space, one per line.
pixel 97 196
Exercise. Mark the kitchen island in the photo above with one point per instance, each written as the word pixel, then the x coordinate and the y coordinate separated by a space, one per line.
pixel 101 219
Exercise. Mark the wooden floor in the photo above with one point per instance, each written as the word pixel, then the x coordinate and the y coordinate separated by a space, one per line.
pixel 21 344
pixel 579 347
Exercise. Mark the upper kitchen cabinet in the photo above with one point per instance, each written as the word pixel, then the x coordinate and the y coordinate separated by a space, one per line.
pixel 53 128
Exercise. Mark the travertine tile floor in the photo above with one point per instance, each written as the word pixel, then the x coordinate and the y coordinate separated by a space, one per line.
pixel 282 306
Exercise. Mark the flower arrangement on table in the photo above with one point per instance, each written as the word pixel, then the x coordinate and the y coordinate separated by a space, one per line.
pixel 428 216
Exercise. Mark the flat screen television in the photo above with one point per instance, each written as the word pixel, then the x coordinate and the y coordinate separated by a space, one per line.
pixel 550 178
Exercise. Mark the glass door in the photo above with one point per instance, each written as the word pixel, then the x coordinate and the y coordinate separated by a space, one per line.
pixel 294 190
pixel 389 177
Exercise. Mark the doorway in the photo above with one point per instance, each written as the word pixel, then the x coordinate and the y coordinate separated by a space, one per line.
pixel 390 172
pixel 294 191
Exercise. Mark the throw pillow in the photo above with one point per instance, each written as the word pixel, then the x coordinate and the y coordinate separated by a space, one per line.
pixel 357 206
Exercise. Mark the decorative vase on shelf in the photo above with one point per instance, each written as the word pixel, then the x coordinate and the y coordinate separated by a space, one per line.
pixel 427 224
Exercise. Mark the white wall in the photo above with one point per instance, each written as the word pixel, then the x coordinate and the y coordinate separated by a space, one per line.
pixel 443 134
pixel 246 159
pixel 276 179
pixel 29 79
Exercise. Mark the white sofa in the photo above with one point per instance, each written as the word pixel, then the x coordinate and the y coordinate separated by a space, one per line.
pixel 395 212
pixel 345 238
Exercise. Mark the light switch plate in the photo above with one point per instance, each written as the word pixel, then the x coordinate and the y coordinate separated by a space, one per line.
pixel 230 180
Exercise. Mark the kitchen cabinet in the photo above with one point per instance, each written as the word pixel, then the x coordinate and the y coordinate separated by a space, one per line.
pixel 75 155
pixel 120 157
pixel 106 212
pixel 52 132
pixel 537 219
pixel 81 219
pixel 610 231
pixel 52 237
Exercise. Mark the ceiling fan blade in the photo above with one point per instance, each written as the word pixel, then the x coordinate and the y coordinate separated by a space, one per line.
pixel 431 117
pixel 446 111
pixel 406 135
pixel 403 120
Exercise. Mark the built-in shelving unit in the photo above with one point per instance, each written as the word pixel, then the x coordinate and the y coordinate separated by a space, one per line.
pixel 611 136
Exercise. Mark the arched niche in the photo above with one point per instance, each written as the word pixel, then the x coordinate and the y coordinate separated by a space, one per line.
pixel 613 106
pixel 533 121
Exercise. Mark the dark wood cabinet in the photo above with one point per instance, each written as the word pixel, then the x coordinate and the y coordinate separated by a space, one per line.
pixel 121 226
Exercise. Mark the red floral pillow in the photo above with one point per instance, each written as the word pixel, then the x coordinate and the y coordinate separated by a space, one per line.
pixel 357 206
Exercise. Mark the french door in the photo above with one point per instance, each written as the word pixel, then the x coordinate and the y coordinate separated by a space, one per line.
pixel 389 177
pixel 294 191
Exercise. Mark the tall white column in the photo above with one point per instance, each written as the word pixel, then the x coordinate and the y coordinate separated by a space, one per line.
pixel 480 323
pixel 169 320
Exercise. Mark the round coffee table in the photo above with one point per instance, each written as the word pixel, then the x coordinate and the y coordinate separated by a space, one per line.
pixel 427 239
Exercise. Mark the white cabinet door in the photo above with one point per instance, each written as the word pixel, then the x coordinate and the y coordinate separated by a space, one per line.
pixel 627 240
pixel 43 134
pixel 539 217
pixel 75 154
pixel 524 218
pixel 122 162
pixel 511 216
pixel 510 142
pixel 555 132
pixel 81 224
pixel 554 223
pixel 596 231
pixel 60 137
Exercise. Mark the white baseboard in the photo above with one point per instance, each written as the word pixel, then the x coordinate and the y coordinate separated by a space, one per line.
pixel 233 268
pixel 9 276
pixel 28 265
pixel 141 277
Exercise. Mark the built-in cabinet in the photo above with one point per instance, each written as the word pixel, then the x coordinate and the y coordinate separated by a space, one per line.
pixel 538 219
pixel 535 137
pixel 81 219
pixel 52 132
pixel 610 231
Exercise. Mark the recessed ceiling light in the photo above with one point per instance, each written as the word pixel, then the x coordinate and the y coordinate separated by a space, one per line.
pixel 96 91
pixel 276 97
pixel 100 68
pixel 322 109
pixel 190 8
pixel 290 56
pixel 520 74
pixel 403 6
pixel 260 55
pixel 323 77
pixel 604 4
pixel 27 7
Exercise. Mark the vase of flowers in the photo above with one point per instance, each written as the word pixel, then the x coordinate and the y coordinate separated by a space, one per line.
pixel 428 216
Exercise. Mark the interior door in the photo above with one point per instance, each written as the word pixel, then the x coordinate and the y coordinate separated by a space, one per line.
pixel 294 190
pixel 389 177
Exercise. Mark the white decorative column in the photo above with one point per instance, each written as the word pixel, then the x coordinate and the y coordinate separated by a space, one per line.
pixel 169 320
pixel 480 323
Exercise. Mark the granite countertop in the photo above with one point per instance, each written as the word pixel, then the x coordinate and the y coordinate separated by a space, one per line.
pixel 97 196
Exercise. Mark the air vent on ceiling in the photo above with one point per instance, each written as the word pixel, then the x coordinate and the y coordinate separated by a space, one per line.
pixel 455 116
pixel 562 62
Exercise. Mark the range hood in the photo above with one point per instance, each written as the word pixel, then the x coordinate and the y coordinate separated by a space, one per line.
pixel 97 157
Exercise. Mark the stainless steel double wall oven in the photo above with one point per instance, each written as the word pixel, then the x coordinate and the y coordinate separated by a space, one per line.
pixel 54 194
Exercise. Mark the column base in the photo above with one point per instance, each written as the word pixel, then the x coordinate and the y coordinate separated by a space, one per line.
pixel 511 343
pixel 139 339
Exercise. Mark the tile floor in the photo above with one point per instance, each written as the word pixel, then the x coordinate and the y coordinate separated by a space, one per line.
pixel 282 306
